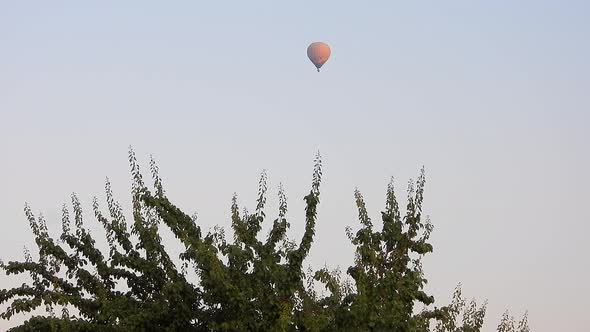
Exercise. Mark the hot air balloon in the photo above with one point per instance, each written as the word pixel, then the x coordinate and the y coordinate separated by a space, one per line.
pixel 318 53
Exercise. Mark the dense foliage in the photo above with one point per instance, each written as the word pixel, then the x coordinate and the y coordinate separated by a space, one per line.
pixel 249 283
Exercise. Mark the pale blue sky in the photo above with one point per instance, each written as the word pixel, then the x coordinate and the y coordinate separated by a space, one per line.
pixel 491 96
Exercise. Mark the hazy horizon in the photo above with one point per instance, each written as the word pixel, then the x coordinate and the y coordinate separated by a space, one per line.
pixel 491 97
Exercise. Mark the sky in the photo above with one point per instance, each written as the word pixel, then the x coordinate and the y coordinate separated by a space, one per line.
pixel 491 97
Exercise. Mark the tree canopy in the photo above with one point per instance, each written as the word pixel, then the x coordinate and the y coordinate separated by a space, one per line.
pixel 253 282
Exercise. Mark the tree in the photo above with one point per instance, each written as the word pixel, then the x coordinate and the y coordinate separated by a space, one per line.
pixel 250 283
pixel 508 324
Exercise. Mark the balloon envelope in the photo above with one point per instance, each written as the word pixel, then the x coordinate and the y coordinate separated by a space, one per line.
pixel 318 53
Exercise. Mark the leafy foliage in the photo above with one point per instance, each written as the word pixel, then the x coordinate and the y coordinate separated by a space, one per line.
pixel 249 283
pixel 472 319
pixel 508 324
